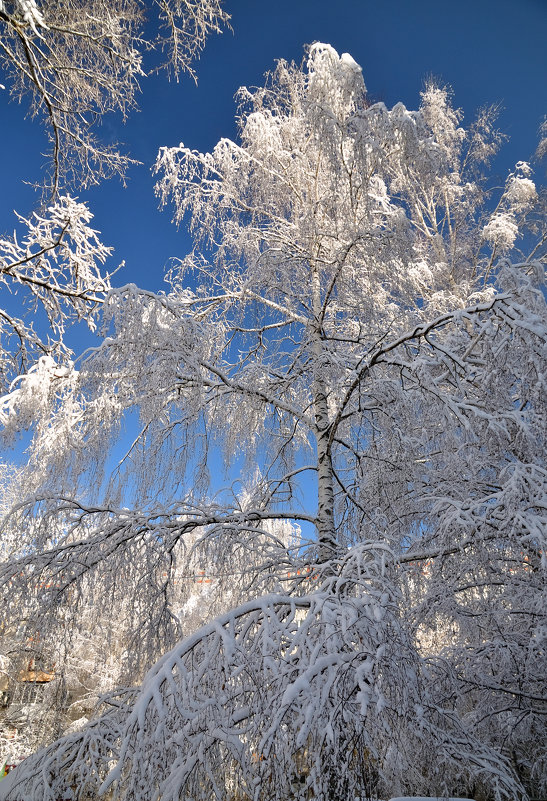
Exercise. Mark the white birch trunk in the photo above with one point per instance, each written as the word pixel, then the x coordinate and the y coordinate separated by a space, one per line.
pixel 326 535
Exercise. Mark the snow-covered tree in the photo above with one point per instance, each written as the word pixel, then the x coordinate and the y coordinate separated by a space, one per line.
pixel 356 312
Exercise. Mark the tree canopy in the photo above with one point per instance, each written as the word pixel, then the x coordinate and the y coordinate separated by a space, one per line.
pixel 356 309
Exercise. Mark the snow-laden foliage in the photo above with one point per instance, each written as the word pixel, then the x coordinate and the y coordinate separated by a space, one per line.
pixel 354 311
pixel 78 61
pixel 56 265
pixel 347 708
pixel 75 62
pixel 520 195
pixel 542 147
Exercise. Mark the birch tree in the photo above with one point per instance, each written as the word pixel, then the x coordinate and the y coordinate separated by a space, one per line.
pixel 354 310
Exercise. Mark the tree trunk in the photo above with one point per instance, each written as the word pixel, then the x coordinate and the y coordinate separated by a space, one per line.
pixel 326 535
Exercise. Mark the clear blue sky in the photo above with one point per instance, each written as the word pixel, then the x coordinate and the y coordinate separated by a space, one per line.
pixel 489 51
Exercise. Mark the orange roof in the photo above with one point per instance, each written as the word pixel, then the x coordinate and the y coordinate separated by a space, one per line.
pixel 37 676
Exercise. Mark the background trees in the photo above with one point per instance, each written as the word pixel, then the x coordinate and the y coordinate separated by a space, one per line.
pixel 353 314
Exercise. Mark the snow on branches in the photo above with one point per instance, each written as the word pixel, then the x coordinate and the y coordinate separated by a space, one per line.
pixel 345 315
pixel 57 264
pixel 320 694
pixel 81 60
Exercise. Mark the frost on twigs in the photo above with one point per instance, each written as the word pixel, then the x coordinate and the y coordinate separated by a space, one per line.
pixel 79 61
pixel 541 151
pixel 186 25
pixel 56 266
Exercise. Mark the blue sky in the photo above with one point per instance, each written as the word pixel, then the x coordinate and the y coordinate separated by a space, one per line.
pixel 489 51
